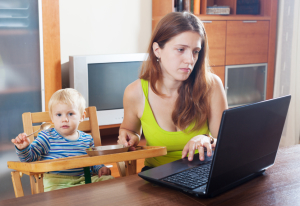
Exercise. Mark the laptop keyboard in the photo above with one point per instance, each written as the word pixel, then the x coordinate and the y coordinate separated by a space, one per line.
pixel 191 178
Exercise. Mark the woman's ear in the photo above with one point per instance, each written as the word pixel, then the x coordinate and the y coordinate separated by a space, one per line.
pixel 156 49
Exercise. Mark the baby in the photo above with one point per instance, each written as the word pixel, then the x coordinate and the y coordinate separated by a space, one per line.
pixel 67 110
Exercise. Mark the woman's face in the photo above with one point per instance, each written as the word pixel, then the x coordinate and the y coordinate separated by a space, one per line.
pixel 179 55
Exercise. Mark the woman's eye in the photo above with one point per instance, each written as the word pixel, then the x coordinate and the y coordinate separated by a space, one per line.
pixel 180 50
pixel 196 52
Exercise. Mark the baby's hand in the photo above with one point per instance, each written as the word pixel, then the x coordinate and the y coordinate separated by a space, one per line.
pixel 21 141
pixel 104 171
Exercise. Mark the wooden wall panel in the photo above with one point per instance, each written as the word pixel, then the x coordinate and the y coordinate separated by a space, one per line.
pixel 163 7
pixel 51 41
pixel 216 35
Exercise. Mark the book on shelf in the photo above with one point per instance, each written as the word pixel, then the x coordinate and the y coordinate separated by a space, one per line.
pixel 182 5
pixel 196 7
pixel 192 6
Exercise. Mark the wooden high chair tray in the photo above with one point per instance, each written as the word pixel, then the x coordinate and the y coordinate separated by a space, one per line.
pixel 85 161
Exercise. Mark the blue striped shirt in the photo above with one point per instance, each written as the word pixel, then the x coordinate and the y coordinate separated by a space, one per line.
pixel 49 144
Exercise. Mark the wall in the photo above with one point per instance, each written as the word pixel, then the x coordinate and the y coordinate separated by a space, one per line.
pixel 90 27
pixel 287 67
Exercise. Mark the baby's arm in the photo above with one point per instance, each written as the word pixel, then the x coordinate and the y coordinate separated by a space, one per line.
pixel 101 170
pixel 33 151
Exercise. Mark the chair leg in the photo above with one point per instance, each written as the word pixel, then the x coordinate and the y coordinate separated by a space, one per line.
pixel 36 183
pixel 121 168
pixel 17 184
pixel 130 167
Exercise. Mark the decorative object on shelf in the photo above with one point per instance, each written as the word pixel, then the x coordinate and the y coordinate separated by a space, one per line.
pixel 197 7
pixel 248 7
pixel 223 10
pixel 182 5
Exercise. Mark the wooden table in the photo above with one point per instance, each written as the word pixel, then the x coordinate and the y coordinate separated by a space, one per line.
pixel 279 186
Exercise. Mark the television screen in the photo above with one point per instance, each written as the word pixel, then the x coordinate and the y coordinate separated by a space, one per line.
pixel 107 82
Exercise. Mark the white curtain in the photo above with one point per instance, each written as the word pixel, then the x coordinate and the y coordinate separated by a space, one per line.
pixel 287 73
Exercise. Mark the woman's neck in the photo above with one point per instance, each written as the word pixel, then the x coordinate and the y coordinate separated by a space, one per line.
pixel 168 87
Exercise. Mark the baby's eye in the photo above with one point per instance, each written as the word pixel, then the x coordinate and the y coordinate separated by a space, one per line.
pixel 70 114
pixel 58 115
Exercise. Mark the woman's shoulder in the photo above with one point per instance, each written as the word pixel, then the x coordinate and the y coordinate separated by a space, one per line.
pixel 134 90
pixel 216 82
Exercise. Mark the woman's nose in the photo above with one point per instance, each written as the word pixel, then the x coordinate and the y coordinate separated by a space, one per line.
pixel 189 58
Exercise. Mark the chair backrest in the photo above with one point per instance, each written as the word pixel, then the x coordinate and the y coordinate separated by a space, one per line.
pixel 32 122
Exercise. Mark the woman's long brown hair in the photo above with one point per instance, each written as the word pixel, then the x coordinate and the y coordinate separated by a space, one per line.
pixel 192 104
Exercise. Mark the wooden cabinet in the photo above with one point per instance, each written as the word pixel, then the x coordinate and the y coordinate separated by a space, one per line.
pixel 216 35
pixel 247 42
pixel 235 39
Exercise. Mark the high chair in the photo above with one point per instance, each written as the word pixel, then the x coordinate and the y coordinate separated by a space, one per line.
pixel 126 162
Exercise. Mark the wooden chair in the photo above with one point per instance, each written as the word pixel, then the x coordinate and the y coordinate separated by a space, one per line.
pixel 90 125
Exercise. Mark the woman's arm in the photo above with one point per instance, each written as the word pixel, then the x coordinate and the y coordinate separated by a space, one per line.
pixel 133 102
pixel 218 104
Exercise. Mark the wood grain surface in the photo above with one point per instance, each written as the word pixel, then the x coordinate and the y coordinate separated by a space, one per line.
pixel 280 185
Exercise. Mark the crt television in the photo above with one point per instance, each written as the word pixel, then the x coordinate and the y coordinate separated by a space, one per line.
pixel 102 79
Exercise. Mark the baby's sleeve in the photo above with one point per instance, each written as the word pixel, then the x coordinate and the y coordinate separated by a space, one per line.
pixel 40 146
pixel 96 168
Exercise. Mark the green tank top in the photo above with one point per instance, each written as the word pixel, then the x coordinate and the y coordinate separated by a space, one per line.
pixel 156 136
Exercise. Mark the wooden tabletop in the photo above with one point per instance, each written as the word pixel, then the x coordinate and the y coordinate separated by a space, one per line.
pixel 280 185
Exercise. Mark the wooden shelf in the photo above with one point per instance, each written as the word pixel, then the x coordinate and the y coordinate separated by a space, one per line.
pixel 225 17
pixel 109 126
pixel 233 17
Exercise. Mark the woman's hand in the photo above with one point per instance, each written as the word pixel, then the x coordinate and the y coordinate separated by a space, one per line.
pixel 128 139
pixel 21 141
pixel 198 142
pixel 104 171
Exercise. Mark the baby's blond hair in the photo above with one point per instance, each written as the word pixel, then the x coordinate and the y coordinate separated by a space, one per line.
pixel 67 96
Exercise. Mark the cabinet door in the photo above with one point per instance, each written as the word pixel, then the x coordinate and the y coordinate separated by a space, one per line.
pixel 216 35
pixel 247 42
pixel 220 72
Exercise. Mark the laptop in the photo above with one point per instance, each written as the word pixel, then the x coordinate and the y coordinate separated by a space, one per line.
pixel 247 145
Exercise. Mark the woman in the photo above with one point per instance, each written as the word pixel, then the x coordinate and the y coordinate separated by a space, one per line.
pixel 176 100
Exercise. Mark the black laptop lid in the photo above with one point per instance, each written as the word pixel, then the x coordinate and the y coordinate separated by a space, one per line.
pixel 248 140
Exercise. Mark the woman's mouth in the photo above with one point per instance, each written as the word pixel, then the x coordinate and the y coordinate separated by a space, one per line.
pixel 185 69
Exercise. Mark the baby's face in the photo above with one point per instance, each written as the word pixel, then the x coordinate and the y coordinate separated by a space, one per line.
pixel 66 119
